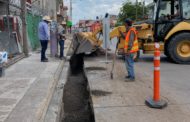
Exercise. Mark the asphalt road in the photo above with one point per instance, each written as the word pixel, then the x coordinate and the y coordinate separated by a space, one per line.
pixel 175 78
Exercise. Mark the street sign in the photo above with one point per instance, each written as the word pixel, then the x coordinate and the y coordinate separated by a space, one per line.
pixel 69 23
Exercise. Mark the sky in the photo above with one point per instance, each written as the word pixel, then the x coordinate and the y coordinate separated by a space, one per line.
pixel 89 9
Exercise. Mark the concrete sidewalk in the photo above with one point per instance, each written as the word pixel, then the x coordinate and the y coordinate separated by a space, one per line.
pixel 27 88
pixel 119 101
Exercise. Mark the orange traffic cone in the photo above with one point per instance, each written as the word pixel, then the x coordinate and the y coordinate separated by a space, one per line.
pixel 156 102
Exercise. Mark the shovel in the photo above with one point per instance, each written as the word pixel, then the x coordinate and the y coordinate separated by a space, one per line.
pixel 114 58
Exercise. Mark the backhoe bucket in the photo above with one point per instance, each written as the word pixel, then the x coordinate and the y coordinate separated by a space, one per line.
pixel 84 42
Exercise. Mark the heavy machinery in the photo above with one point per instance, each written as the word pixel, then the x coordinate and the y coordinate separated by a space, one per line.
pixel 144 35
pixel 170 27
pixel 171 31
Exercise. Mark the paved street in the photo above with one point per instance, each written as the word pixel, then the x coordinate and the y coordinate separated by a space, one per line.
pixel 119 101
pixel 174 79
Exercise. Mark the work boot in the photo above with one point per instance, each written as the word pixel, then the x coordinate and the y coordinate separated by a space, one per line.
pixel 62 58
pixel 129 79
pixel 44 60
pixel 132 79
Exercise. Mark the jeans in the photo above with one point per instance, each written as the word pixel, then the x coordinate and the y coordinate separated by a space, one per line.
pixel 61 43
pixel 44 44
pixel 129 62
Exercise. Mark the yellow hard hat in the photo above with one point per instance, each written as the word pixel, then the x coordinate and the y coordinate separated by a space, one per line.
pixel 47 18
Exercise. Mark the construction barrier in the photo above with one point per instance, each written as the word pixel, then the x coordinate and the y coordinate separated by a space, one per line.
pixel 156 102
pixel 156 74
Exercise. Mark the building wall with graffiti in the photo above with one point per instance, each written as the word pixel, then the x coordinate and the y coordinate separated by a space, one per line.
pixel 10 34
pixel 11 31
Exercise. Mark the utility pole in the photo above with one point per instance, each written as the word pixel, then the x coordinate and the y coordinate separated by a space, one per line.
pixel 143 8
pixel 71 9
pixel 136 9
pixel 23 17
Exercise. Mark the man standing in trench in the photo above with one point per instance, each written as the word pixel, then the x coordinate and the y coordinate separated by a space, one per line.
pixel 130 48
pixel 44 36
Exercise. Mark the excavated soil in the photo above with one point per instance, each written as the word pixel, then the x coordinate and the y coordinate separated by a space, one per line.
pixel 76 98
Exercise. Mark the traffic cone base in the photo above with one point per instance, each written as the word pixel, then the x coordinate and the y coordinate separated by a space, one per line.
pixel 156 104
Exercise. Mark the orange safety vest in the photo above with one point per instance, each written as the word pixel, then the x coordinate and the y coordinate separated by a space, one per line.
pixel 135 46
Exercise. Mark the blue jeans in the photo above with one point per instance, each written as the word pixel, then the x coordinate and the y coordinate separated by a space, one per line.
pixel 44 44
pixel 129 62
pixel 61 43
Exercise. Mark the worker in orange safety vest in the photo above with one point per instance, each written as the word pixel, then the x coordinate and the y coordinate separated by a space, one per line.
pixel 130 48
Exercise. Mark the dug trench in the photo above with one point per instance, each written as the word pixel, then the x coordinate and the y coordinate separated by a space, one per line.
pixel 77 103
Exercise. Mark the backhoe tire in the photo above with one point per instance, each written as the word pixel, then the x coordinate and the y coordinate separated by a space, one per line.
pixel 166 50
pixel 179 48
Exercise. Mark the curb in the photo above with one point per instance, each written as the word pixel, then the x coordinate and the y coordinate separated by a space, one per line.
pixel 14 60
pixel 9 63
pixel 55 109
pixel 56 90
pixel 42 111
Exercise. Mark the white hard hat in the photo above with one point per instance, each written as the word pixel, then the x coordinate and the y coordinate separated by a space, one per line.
pixel 47 18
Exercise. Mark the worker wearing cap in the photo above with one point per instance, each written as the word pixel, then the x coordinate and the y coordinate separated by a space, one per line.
pixel 130 48
pixel 44 36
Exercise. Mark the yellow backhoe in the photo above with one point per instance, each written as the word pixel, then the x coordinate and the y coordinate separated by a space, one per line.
pixel 144 36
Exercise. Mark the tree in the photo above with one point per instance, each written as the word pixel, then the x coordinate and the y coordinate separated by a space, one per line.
pixel 128 10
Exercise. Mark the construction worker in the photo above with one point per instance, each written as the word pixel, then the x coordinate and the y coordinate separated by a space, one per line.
pixel 176 15
pixel 61 44
pixel 44 36
pixel 62 38
pixel 130 48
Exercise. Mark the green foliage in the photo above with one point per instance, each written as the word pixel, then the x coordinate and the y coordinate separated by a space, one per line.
pixel 128 10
